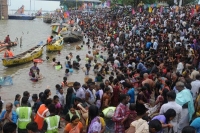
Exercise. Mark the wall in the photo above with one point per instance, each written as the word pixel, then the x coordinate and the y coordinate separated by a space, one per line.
pixel 3 9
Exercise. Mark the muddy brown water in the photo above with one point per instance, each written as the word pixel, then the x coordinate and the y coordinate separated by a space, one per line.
pixel 33 32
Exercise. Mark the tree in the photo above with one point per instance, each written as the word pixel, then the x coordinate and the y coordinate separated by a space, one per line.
pixel 71 4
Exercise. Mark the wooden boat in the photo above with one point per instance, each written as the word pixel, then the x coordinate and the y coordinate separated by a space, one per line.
pixel 71 33
pixel 8 44
pixel 25 57
pixel 57 46
pixel 56 27
pixel 47 18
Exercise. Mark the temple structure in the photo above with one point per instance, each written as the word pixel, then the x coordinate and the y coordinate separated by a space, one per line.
pixel 3 9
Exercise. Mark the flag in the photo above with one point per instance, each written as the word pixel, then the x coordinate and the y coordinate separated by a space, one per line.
pixel 133 11
pixel 161 9
pixel 180 3
pixel 120 2
pixel 177 8
pixel 108 4
pixel 192 12
pixel 150 9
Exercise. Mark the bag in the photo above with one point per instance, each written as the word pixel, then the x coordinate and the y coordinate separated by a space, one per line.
pixel 109 112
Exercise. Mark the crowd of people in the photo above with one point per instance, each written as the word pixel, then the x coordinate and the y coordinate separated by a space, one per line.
pixel 148 83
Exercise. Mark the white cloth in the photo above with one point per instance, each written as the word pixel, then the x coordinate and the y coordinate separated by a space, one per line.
pixel 155 45
pixel 61 99
pixel 195 88
pixel 177 108
pixel 180 67
pixel 184 120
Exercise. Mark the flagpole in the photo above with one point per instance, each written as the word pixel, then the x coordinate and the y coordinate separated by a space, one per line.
pixel 76 4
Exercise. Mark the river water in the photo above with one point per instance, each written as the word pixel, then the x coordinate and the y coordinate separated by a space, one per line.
pixel 32 32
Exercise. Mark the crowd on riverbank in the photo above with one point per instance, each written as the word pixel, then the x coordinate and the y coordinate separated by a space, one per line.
pixel 154 53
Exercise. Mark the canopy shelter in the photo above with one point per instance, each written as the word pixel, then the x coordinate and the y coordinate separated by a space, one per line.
pixel 96 1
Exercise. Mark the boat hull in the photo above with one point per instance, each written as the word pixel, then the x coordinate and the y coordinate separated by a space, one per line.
pixel 47 21
pixel 8 62
pixel 18 17
pixel 70 37
pixel 57 46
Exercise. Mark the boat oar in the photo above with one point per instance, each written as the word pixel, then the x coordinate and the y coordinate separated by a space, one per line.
pixel 2 49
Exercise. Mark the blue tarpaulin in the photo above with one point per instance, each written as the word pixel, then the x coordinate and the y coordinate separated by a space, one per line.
pixel 4 81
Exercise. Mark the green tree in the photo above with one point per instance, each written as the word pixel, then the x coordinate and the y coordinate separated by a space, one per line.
pixel 71 4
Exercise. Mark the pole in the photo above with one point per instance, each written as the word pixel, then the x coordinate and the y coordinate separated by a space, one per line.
pixel 30 5
pixel 76 4
pixel 1 9
pixel 34 5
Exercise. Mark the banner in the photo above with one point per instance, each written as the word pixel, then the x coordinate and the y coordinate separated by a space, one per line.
pixel 108 4
pixel 150 9
pixel 133 11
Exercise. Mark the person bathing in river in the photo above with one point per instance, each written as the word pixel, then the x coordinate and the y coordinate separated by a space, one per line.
pixel 34 78
pixel 64 83
pixel 7 39
pixel 54 61
pixel 38 74
pixel 34 68
pixel 30 72
pixel 8 53
pixel 58 66
pixel 49 40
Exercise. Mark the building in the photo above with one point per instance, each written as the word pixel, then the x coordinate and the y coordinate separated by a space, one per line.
pixel 3 9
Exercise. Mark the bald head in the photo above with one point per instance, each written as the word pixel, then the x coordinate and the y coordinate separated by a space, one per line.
pixel 180 86
pixel 9 107
pixel 145 75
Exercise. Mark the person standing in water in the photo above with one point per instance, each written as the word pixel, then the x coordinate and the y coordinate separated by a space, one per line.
pixel 7 39
pixel 8 53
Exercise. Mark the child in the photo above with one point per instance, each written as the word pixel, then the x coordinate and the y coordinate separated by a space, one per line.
pixel 99 78
pixel 98 100
pixel 87 68
pixel 67 64
pixel 58 106
pixel 34 78
pixel 71 69
pixel 132 115
pixel 64 83
pixel 58 66
pixel 57 88
pixel 66 72
pixel 31 72
pixel 54 62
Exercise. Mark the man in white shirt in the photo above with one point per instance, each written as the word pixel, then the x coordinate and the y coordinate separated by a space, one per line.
pixel 193 73
pixel 180 67
pixel 171 96
pixel 195 86
pixel 155 44
pixel 61 97
pixel 80 93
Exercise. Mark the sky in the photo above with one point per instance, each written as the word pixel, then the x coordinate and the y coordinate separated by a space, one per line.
pixel 45 5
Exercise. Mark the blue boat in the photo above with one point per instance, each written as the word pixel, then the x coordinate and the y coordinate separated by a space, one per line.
pixel 19 15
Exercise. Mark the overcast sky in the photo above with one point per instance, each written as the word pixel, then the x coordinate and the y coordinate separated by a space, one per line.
pixel 45 5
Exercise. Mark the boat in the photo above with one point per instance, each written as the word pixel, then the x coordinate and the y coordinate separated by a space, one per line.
pixel 25 57
pixel 7 44
pixel 56 27
pixel 56 46
pixel 47 18
pixel 19 15
pixel 39 13
pixel 71 33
